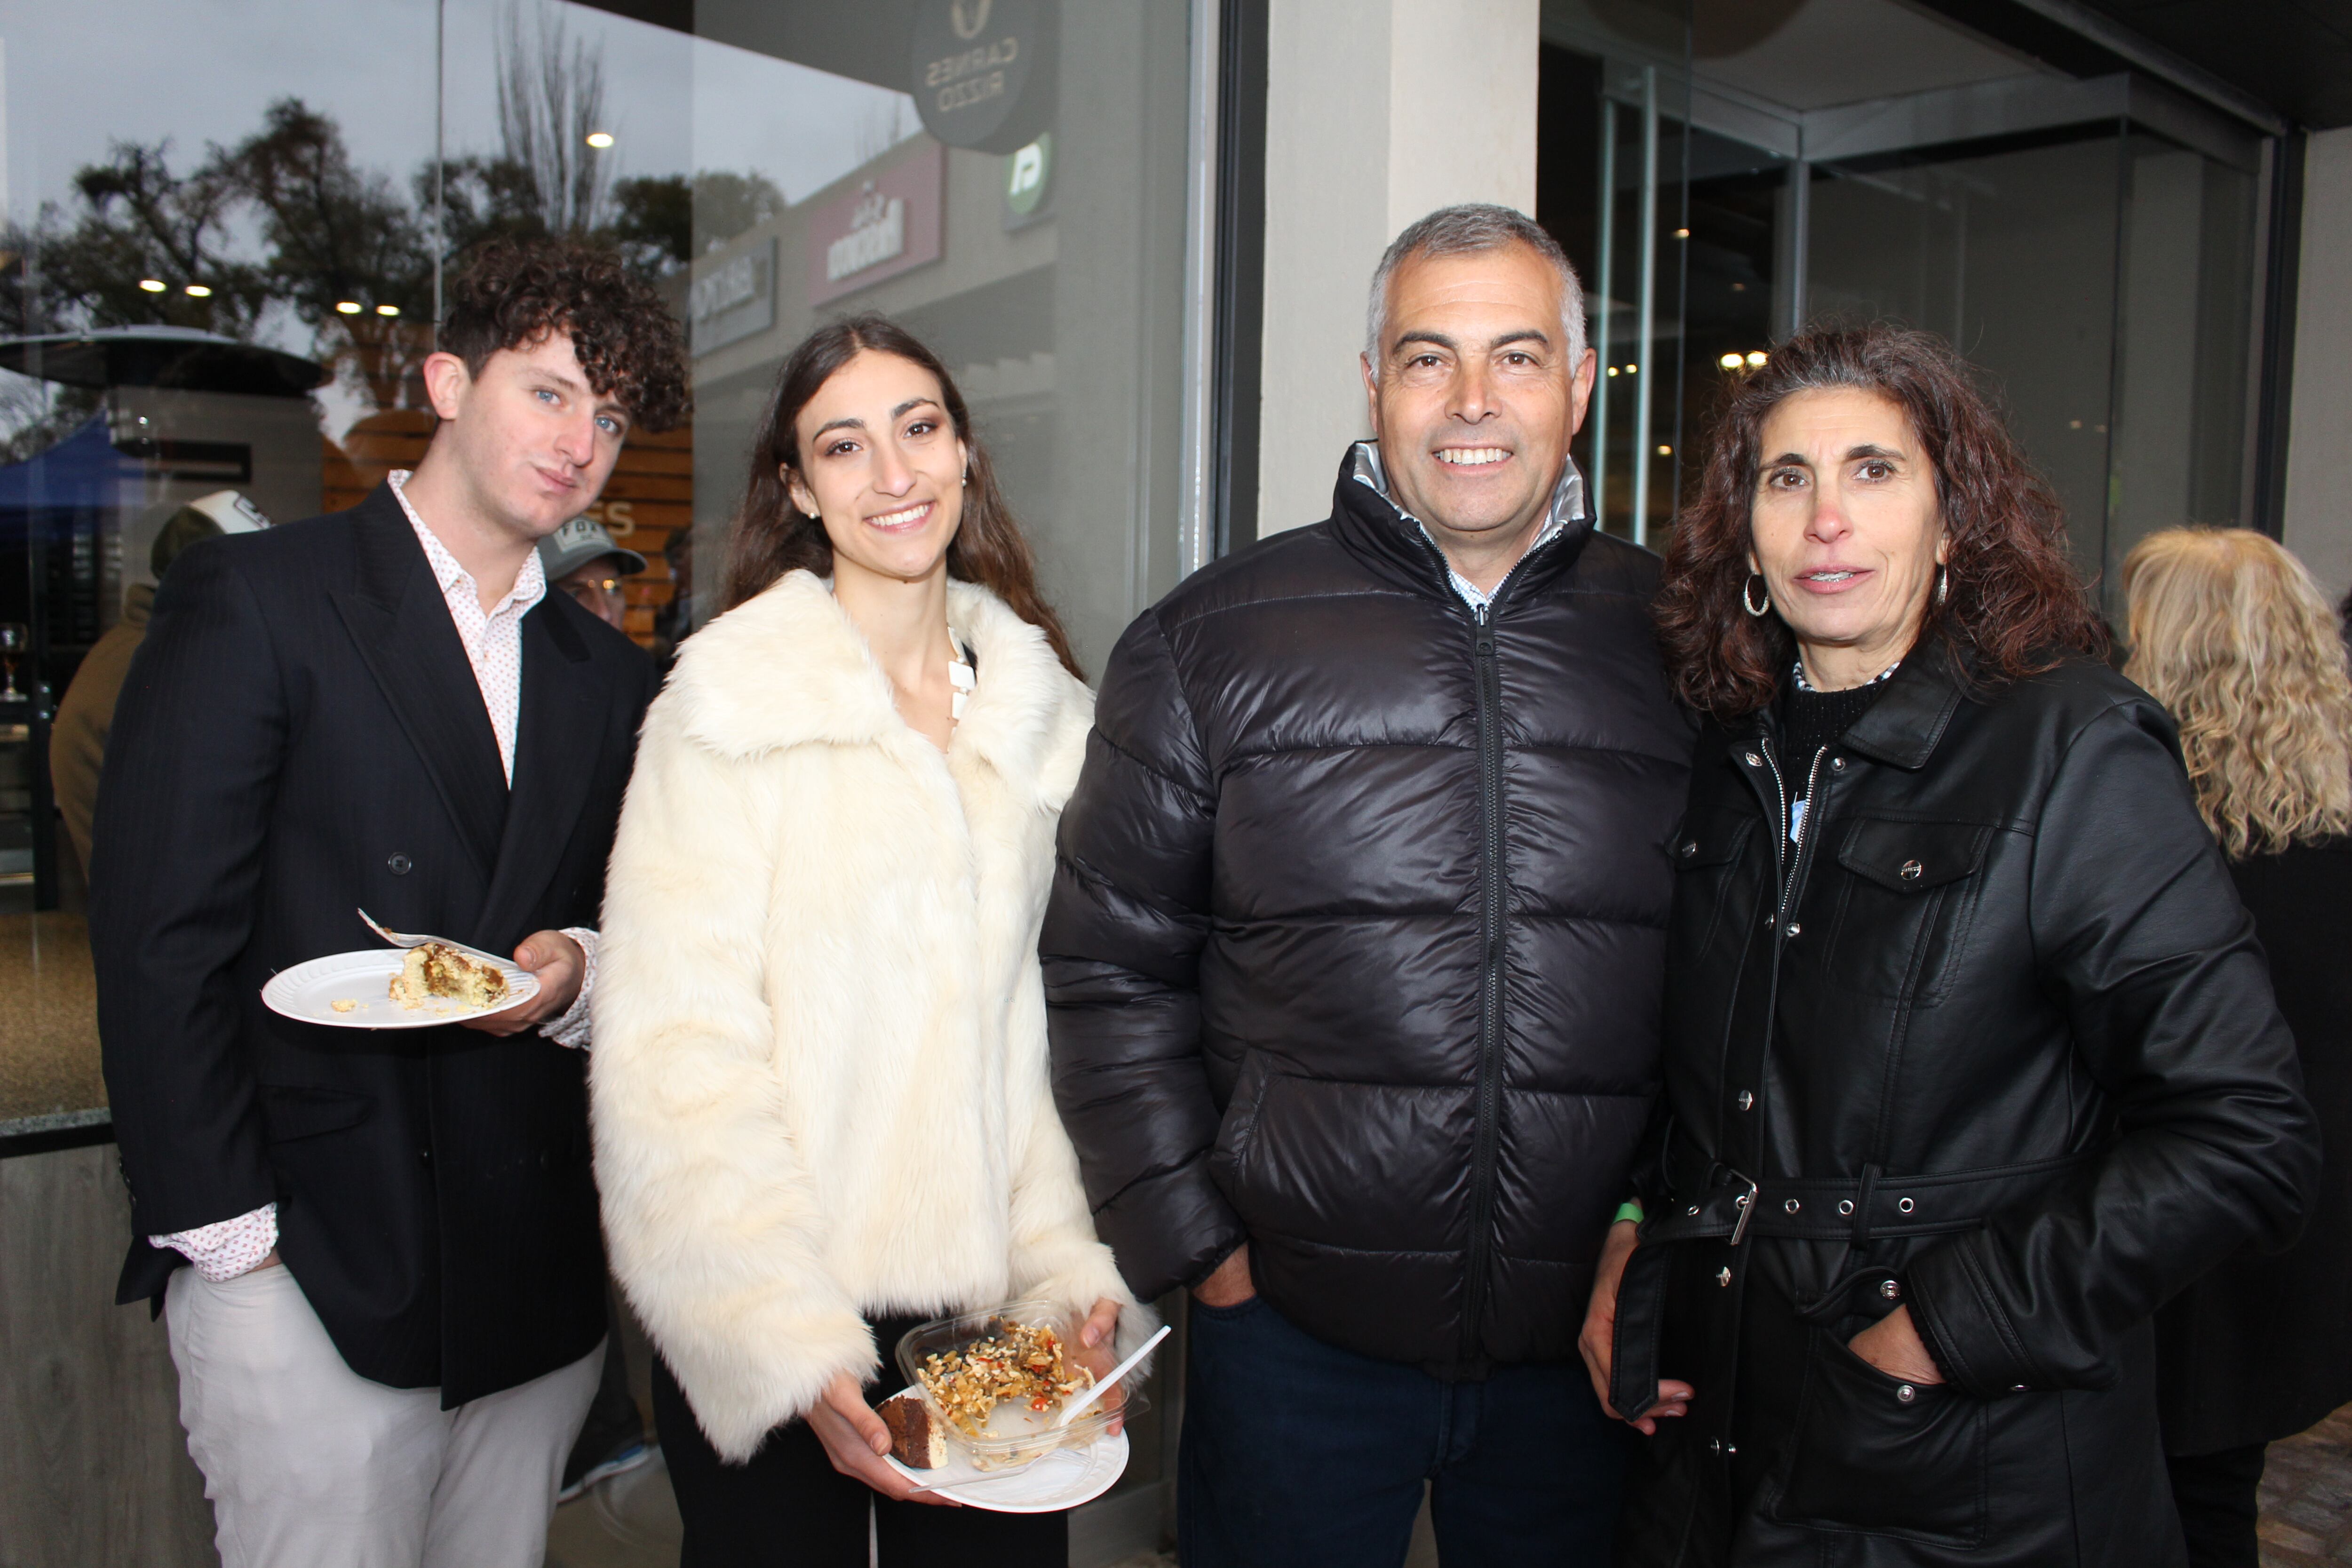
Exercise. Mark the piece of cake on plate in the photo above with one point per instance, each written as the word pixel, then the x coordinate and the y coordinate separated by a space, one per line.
pixel 436 971
pixel 916 1440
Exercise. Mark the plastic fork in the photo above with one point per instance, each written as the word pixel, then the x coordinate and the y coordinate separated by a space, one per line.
pixel 401 939
pixel 1071 1410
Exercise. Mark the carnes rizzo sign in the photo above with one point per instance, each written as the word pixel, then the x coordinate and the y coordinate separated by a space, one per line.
pixel 983 71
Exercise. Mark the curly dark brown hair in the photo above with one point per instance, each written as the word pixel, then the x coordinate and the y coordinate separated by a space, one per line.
pixel 2014 605
pixel 511 293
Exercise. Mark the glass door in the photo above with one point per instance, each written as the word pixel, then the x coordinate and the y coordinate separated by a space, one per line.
pixel 2090 246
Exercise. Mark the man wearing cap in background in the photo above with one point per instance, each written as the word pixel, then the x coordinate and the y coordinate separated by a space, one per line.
pixel 580 559
pixel 78 735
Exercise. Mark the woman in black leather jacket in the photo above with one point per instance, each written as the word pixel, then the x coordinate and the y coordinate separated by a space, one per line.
pixel 1972 1059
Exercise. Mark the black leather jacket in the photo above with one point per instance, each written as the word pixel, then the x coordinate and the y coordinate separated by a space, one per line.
pixel 1995 1041
pixel 1354 944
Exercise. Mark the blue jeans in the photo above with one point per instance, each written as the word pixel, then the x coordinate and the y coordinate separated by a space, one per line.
pixel 1298 1452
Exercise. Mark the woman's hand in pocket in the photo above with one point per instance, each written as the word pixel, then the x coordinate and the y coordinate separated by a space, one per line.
pixel 1893 1345
pixel 1598 1342
pixel 855 1439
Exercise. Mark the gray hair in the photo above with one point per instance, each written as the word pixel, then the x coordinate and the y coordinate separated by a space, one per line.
pixel 1468 230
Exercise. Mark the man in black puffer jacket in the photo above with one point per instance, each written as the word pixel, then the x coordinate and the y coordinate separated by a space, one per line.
pixel 1353 955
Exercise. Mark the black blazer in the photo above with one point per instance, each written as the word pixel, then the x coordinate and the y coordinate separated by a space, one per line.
pixel 301 735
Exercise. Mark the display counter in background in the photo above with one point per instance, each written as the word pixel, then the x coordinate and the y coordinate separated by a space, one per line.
pixel 50 1084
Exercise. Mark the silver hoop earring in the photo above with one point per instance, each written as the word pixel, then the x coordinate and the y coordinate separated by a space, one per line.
pixel 1748 595
pixel 1943 584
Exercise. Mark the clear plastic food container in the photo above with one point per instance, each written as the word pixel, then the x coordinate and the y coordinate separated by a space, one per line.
pixel 1015 1435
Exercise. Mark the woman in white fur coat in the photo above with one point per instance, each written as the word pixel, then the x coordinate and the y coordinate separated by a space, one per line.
pixel 820 1082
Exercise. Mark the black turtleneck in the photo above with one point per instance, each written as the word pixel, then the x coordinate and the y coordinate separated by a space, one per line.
pixel 1812 720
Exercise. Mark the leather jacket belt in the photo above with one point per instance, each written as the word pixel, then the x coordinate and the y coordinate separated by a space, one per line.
pixel 1733 1208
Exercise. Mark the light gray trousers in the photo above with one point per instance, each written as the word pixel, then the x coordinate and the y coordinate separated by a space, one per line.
pixel 306 1462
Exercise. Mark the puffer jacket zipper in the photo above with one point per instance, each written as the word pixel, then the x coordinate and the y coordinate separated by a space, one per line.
pixel 1486 1132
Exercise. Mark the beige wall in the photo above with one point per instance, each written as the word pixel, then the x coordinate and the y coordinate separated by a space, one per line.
pixel 1377 111
pixel 2319 451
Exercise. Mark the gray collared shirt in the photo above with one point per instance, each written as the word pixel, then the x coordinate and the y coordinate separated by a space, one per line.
pixel 1566 507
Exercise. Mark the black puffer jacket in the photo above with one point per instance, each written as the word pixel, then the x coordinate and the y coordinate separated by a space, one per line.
pixel 1995 1041
pixel 1355 943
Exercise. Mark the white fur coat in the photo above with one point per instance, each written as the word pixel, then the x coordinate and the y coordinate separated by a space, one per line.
pixel 819 1072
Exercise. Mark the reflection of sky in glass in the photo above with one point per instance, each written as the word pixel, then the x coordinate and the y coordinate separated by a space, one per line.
pixel 81 75
pixel 803 129
pixel 680 105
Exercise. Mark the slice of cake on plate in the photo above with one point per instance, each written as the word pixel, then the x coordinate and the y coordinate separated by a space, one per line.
pixel 916 1440
pixel 434 971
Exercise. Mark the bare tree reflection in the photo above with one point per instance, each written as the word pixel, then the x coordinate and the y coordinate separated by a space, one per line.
pixel 283 238
pixel 551 101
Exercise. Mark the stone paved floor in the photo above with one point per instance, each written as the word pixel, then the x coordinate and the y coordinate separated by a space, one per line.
pixel 2306 1513
pixel 2307 1497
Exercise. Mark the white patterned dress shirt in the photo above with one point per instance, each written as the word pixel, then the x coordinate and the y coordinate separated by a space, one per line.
pixel 493 640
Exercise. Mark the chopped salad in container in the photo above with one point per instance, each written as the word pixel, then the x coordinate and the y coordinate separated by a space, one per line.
pixel 995 1383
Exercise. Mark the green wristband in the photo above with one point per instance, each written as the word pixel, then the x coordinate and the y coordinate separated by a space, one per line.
pixel 1630 1209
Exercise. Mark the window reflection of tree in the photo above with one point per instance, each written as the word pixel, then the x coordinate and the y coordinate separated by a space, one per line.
pixel 285 228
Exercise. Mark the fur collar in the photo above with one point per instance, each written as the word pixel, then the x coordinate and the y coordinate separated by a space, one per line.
pixel 789 668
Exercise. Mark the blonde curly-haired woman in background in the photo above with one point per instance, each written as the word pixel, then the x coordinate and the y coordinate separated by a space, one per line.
pixel 2229 632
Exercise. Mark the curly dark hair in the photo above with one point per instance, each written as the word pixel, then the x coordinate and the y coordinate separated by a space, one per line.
pixel 2014 606
pixel 511 293
pixel 774 537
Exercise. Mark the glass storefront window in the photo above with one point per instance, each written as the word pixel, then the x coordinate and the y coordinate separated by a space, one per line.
pixel 222 274
pixel 2011 255
pixel 2098 271
pixel 227 230
pixel 219 259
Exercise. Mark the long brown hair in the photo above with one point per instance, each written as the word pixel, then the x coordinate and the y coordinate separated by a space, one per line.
pixel 2013 599
pixel 772 536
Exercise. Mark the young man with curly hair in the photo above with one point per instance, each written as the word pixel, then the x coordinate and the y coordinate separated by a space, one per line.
pixel 390 1330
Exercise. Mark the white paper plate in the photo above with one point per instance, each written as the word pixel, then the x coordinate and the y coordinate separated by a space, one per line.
pixel 309 992
pixel 1064 1479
